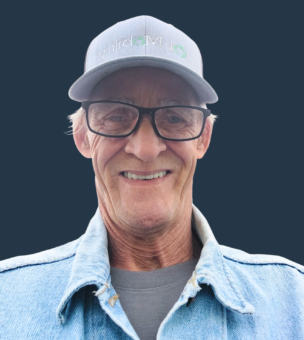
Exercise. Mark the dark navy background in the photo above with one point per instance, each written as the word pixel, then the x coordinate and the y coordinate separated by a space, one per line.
pixel 250 183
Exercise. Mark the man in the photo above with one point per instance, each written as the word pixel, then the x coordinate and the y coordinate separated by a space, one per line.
pixel 148 265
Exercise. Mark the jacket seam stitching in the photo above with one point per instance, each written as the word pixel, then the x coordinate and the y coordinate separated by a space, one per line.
pixel 52 260
pixel 232 284
pixel 264 263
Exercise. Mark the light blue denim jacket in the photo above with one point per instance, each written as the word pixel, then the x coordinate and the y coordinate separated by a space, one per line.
pixel 66 293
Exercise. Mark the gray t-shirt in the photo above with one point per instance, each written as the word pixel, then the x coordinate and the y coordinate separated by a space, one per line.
pixel 147 297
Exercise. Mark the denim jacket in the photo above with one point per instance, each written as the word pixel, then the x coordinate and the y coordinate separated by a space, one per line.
pixel 66 293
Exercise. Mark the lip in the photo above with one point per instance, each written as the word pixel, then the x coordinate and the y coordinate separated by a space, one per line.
pixel 144 183
pixel 145 173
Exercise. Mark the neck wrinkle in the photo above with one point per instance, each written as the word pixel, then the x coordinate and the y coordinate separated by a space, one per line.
pixel 134 253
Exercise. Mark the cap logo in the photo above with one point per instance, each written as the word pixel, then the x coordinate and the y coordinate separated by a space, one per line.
pixel 146 40
pixel 143 41
pixel 180 51
pixel 139 41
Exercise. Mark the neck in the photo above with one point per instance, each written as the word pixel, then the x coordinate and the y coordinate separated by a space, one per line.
pixel 170 246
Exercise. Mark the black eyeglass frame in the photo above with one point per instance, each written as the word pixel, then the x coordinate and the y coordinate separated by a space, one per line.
pixel 145 110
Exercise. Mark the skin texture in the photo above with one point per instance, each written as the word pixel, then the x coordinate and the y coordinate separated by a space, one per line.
pixel 148 222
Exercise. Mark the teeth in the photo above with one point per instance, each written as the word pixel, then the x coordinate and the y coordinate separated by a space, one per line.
pixel 134 176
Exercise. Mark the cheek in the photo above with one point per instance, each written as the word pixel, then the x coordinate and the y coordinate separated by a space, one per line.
pixel 103 149
pixel 186 151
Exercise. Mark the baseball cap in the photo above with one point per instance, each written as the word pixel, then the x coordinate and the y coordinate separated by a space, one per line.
pixel 142 41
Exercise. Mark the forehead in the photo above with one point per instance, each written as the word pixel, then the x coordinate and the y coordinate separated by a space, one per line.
pixel 134 82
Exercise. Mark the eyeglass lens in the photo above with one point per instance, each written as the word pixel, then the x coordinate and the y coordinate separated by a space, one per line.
pixel 118 119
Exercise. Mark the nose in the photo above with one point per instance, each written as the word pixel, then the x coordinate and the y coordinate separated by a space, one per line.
pixel 144 143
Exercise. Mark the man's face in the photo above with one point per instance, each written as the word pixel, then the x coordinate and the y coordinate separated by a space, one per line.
pixel 143 205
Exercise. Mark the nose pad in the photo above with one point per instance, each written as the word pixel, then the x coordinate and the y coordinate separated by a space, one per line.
pixel 144 143
pixel 142 118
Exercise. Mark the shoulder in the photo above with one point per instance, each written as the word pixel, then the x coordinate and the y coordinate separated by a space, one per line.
pixel 266 276
pixel 242 257
pixel 44 258
pixel 35 284
pixel 272 284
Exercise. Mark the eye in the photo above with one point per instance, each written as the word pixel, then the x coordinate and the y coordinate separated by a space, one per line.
pixel 116 118
pixel 174 119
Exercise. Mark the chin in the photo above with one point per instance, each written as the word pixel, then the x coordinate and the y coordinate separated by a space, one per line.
pixel 146 215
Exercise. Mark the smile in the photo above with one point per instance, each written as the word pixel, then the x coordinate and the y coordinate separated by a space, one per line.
pixel 144 177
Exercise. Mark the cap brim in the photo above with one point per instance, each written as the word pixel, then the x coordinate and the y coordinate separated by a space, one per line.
pixel 82 87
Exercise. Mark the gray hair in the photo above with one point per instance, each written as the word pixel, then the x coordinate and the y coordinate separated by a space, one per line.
pixel 78 120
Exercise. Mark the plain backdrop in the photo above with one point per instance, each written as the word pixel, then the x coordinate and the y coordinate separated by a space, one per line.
pixel 250 183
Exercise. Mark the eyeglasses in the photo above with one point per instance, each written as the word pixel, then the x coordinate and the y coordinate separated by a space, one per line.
pixel 117 119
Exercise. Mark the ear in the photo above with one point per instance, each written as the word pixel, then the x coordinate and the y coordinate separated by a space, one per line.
pixel 82 142
pixel 203 141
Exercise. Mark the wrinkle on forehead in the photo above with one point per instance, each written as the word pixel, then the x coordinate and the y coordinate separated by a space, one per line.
pixel 152 85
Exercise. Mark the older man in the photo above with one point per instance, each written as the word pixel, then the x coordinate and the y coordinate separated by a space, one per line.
pixel 148 265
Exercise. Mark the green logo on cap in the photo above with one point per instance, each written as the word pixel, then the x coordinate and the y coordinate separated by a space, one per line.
pixel 180 51
pixel 139 41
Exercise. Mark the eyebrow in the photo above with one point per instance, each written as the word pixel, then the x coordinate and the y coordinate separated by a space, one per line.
pixel 122 99
pixel 162 102
pixel 170 102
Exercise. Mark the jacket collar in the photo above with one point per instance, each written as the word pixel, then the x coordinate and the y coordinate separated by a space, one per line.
pixel 91 266
pixel 213 270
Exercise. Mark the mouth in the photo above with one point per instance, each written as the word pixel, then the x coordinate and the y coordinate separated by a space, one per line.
pixel 143 177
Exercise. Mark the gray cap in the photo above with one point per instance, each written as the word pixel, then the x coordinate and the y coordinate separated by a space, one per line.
pixel 142 41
